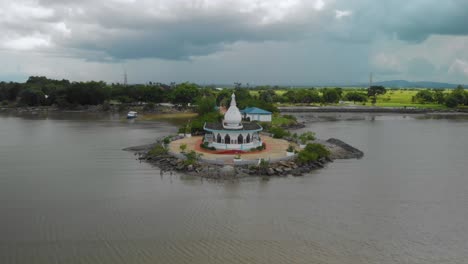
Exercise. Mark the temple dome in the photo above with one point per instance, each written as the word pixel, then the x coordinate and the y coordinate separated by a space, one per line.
pixel 233 117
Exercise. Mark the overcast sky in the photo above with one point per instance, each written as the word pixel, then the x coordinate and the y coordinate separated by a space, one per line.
pixel 226 41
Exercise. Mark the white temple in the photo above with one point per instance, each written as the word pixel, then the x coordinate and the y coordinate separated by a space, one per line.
pixel 232 133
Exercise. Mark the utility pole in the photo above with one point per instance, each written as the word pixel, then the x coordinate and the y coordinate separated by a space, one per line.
pixel 370 79
pixel 125 78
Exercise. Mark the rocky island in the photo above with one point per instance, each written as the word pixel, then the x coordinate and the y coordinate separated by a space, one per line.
pixel 235 147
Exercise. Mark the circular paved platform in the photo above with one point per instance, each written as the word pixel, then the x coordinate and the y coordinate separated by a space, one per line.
pixel 275 148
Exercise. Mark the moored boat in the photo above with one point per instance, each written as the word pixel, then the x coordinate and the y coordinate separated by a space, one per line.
pixel 132 115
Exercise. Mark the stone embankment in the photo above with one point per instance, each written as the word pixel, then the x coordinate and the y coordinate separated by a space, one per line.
pixel 171 162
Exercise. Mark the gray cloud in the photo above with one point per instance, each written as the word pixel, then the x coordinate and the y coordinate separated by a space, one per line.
pixel 420 67
pixel 356 36
pixel 412 21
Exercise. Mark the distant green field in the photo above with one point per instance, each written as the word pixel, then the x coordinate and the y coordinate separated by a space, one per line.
pixel 393 98
pixel 402 98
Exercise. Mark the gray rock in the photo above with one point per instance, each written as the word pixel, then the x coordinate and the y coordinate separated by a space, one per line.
pixel 270 172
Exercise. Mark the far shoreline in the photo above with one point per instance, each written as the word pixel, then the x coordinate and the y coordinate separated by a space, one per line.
pixel 167 110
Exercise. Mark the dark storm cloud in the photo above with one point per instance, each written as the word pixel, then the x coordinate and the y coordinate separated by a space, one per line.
pixel 178 30
pixel 411 21
pixel 181 40
pixel 404 38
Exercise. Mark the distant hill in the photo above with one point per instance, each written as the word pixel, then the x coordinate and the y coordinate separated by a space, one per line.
pixel 408 84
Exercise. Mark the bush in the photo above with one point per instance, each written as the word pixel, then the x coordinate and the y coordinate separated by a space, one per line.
pixel 192 158
pixel 291 117
pixel 198 123
pixel 266 125
pixel 305 157
pixel 278 132
pixel 290 148
pixel 183 147
pixel 264 165
pixel 205 145
pixel 259 148
pixel 167 140
pixel 307 136
pixel 313 152
pixel 158 150
pixel 321 151
pixel 188 129
pixel 4 102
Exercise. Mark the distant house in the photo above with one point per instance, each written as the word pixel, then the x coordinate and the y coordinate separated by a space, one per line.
pixel 256 114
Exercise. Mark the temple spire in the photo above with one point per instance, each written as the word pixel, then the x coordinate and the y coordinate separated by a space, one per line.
pixel 233 100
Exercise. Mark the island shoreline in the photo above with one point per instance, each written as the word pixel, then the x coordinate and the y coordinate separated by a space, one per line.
pixel 173 162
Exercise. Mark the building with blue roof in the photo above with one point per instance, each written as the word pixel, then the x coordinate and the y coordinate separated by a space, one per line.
pixel 256 114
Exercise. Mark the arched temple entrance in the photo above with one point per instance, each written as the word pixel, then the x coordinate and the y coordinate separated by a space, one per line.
pixel 227 139
pixel 240 139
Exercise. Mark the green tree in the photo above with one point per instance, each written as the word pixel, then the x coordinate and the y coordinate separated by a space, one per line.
pixel 183 147
pixel 374 91
pixel 87 93
pixel 223 98
pixel 356 97
pixel 457 97
pixel 307 96
pixel 424 96
pixel 330 96
pixel 439 97
pixel 205 105
pixel 267 96
pixel 32 97
pixel 185 93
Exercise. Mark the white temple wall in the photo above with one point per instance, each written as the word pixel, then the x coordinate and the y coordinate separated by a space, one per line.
pixel 254 140
pixel 236 146
pixel 261 118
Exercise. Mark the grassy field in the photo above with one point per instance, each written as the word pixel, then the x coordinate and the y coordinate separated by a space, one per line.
pixel 393 98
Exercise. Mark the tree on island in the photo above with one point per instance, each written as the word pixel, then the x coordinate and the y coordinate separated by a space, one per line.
pixel 373 91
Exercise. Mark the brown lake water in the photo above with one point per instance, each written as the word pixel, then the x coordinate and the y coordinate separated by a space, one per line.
pixel 69 194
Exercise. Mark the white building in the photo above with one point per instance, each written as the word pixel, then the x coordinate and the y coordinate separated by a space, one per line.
pixel 256 114
pixel 232 133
